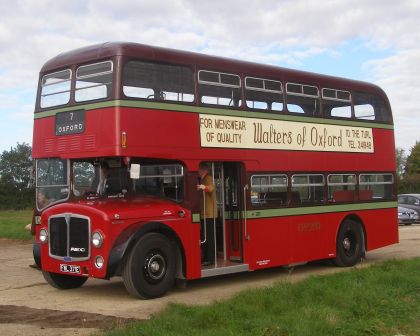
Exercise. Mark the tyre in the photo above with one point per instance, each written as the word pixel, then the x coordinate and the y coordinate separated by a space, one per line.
pixel 62 281
pixel 349 245
pixel 36 252
pixel 149 271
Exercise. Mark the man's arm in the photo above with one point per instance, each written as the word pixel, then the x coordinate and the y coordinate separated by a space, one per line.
pixel 208 183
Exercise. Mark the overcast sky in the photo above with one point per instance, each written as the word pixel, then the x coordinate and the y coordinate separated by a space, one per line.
pixel 376 41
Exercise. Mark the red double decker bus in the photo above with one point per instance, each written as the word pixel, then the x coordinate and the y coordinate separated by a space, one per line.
pixel 302 165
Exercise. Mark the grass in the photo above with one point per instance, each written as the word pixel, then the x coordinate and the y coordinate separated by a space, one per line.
pixel 379 300
pixel 12 224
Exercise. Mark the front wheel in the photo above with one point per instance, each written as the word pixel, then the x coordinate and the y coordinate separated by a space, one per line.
pixel 36 251
pixel 149 271
pixel 349 245
pixel 62 281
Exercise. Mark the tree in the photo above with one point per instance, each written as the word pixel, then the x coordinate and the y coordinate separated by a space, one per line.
pixel 412 166
pixel 401 160
pixel 16 183
pixel 409 182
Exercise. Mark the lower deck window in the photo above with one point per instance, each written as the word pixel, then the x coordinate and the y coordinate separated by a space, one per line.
pixel 307 189
pixel 341 188
pixel 376 187
pixel 165 181
pixel 269 190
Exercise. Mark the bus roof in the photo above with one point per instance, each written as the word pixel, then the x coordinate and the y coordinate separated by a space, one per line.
pixel 201 61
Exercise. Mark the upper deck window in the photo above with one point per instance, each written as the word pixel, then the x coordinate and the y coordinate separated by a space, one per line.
pixel 55 88
pixel 93 81
pixel 302 99
pixel 370 107
pixel 155 81
pixel 336 103
pixel 263 94
pixel 218 88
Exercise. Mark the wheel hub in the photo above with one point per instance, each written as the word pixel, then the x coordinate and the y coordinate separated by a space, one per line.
pixel 155 266
pixel 347 244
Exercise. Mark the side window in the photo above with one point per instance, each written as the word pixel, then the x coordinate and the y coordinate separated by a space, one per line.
pixel 93 81
pixel 341 187
pixel 370 107
pixel 217 88
pixel 55 89
pixel 375 186
pixel 263 94
pixel 307 189
pixel 269 190
pixel 165 181
pixel 155 81
pixel 336 103
pixel 413 200
pixel 302 99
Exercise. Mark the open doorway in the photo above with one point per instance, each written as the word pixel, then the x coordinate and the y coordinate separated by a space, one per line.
pixel 227 240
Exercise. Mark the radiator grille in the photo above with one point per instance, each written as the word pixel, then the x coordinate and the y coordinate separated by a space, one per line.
pixel 69 237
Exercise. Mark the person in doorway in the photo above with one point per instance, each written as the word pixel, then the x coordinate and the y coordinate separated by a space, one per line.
pixel 208 213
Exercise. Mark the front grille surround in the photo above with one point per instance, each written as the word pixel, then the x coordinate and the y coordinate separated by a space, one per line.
pixel 69 237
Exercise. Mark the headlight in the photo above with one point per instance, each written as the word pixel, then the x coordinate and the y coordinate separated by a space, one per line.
pixel 97 239
pixel 99 262
pixel 43 236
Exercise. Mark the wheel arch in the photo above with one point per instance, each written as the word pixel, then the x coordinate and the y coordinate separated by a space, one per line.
pixel 129 237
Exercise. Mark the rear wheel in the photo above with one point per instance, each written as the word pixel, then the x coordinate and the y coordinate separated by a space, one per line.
pixel 62 281
pixel 149 271
pixel 349 246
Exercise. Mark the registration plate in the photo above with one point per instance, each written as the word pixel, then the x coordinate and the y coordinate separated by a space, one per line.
pixel 70 268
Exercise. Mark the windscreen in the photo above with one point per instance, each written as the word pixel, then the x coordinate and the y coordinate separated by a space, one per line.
pixel 99 178
pixel 51 182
